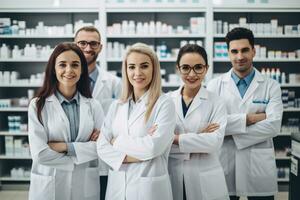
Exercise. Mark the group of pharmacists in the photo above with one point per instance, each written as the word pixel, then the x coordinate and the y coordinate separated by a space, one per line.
pixel 195 143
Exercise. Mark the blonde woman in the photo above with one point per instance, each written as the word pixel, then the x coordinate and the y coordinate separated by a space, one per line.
pixel 138 132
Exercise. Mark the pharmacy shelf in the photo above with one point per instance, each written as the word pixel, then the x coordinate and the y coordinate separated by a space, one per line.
pixel 173 85
pixel 284 134
pixel 290 85
pixel 49 10
pixel 154 7
pixel 26 85
pixel 8 178
pixel 8 133
pixel 2 157
pixel 263 36
pixel 283 179
pixel 256 8
pixel 37 36
pixel 262 60
pixel 24 60
pixel 282 158
pixel 291 110
pixel 14 109
pixel 190 35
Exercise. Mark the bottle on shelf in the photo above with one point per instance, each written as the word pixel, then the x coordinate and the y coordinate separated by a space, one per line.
pixel 283 78
pixel 15 28
pixel 278 75
pixel 4 51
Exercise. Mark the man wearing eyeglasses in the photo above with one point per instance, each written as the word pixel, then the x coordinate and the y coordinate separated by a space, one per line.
pixel 254 108
pixel 104 85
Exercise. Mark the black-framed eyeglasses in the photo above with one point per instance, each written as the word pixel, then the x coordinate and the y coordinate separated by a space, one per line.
pixel 186 69
pixel 93 44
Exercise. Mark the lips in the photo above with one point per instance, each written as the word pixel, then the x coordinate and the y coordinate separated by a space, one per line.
pixel 241 62
pixel 192 80
pixel 139 80
pixel 69 77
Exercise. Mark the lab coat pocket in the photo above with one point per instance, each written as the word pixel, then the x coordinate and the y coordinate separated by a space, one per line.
pixel 262 162
pixel 151 188
pixel 92 185
pixel 211 180
pixel 41 187
pixel 257 107
pixel 115 185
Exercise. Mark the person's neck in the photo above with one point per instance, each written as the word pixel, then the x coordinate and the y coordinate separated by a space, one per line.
pixel 243 74
pixel 67 92
pixel 190 92
pixel 138 94
pixel 92 67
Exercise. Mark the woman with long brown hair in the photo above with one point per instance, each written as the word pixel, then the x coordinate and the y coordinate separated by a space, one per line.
pixel 64 122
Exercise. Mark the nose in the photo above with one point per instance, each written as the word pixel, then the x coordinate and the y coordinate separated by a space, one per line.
pixel 88 48
pixel 69 68
pixel 192 72
pixel 138 71
pixel 240 55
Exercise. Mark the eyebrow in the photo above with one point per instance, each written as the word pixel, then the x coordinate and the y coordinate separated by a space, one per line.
pixel 245 48
pixel 63 61
pixel 194 64
pixel 140 63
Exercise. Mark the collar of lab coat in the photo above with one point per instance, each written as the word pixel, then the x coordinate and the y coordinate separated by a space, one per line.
pixel 231 86
pixel 143 101
pixel 100 82
pixel 201 96
pixel 84 109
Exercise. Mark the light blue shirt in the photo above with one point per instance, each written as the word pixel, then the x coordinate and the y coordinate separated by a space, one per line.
pixel 93 78
pixel 71 109
pixel 243 83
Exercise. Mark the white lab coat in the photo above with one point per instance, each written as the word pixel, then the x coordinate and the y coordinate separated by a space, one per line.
pixel 247 153
pixel 195 160
pixel 148 179
pixel 56 176
pixel 106 89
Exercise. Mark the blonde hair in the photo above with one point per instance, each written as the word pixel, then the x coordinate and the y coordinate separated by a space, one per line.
pixel 155 84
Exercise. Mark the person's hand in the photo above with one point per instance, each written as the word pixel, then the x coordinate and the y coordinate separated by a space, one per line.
pixel 95 134
pixel 152 129
pixel 112 141
pixel 254 118
pixel 60 147
pixel 210 128
pixel 176 139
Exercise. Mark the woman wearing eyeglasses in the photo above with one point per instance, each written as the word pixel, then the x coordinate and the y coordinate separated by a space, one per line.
pixel 194 166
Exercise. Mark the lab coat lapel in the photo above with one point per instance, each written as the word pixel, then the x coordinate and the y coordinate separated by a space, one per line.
pixel 230 85
pixel 84 112
pixel 123 118
pixel 140 111
pixel 61 113
pixel 178 104
pixel 253 85
pixel 197 101
pixel 100 82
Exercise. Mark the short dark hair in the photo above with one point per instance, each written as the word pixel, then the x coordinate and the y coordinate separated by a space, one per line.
pixel 240 33
pixel 192 48
pixel 50 84
pixel 88 29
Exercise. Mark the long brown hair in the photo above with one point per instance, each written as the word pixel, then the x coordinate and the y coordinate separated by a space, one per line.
pixel 50 82
pixel 155 85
